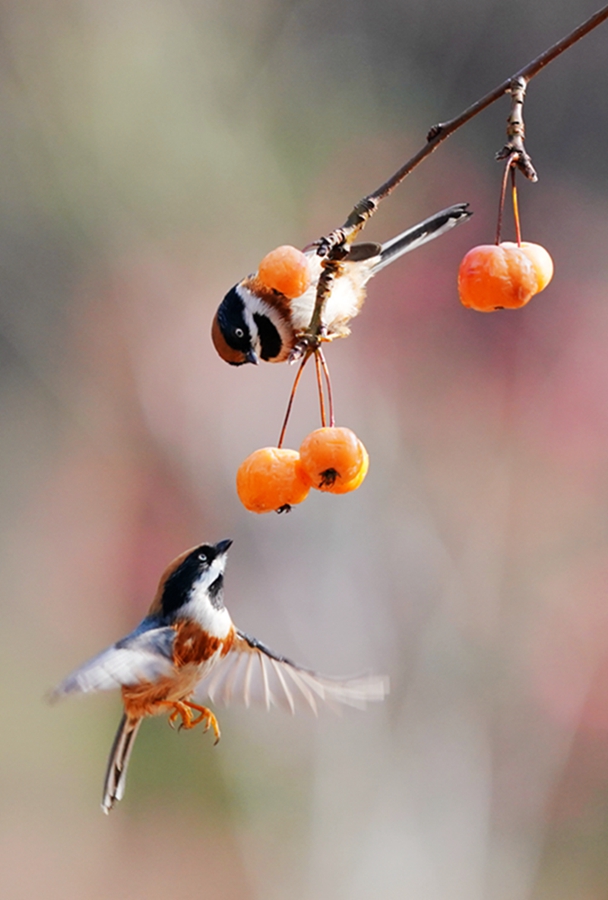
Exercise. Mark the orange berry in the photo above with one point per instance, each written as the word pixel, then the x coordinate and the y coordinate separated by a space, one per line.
pixel 503 276
pixel 285 270
pixel 333 459
pixel 354 483
pixel 541 261
pixel 271 479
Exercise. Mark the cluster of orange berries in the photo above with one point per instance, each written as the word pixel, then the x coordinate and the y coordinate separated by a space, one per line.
pixel 491 276
pixel 503 276
pixel 330 459
pixel 274 478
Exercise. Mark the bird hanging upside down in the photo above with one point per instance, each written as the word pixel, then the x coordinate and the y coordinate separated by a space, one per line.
pixel 261 318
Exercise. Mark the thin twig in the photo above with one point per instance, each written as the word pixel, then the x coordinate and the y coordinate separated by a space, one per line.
pixel 440 132
pixel 515 149
pixel 334 246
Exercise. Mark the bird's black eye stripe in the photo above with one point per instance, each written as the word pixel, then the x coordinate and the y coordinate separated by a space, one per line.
pixel 270 339
pixel 177 587
pixel 231 319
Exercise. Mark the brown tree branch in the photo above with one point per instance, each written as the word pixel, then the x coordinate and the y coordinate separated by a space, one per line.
pixel 334 246
pixel 366 207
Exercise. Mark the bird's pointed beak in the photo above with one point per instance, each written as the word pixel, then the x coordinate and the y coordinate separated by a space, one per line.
pixel 222 547
pixel 252 357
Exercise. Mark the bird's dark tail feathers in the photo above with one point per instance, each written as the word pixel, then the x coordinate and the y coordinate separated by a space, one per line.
pixel 428 230
pixel 116 773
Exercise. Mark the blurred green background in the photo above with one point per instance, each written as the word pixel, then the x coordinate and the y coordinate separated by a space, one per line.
pixel 150 154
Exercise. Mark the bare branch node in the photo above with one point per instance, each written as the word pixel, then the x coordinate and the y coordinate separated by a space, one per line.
pixel 514 150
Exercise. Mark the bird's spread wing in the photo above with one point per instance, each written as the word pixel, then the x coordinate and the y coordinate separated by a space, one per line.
pixel 144 655
pixel 253 674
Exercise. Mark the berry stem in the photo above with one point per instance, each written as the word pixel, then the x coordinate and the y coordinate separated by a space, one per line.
pixel 501 203
pixel 330 396
pixel 320 389
pixel 291 398
pixel 515 207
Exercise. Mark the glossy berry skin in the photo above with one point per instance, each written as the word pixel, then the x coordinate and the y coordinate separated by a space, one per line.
pixel 503 276
pixel 541 262
pixel 344 488
pixel 334 459
pixel 285 270
pixel 271 479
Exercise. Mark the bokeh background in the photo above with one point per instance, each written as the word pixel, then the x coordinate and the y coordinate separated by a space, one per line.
pixel 150 154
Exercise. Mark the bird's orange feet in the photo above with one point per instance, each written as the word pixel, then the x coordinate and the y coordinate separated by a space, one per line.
pixel 179 709
pixel 184 709
pixel 207 717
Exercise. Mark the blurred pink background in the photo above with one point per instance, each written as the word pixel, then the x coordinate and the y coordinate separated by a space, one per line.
pixel 150 154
